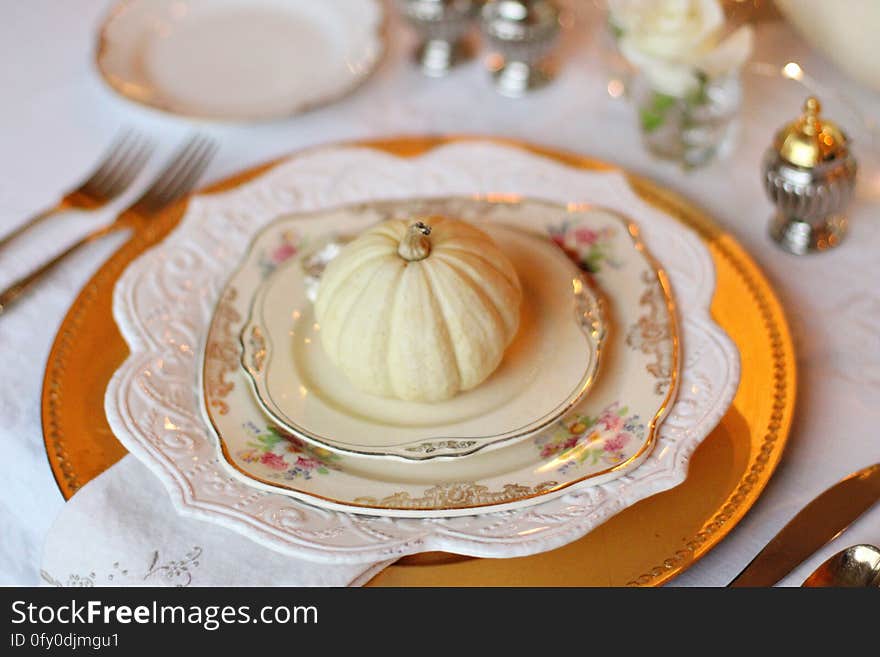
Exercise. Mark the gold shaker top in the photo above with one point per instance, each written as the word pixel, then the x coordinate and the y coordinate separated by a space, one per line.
pixel 810 140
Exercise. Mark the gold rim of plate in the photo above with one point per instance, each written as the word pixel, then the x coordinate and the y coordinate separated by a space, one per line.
pixel 647 544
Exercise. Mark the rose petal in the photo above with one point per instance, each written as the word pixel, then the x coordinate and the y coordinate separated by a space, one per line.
pixel 625 14
pixel 665 77
pixel 677 30
pixel 730 54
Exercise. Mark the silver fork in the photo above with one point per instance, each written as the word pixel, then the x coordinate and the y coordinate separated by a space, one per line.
pixel 179 176
pixel 122 161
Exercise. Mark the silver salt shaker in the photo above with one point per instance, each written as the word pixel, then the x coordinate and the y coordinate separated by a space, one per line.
pixel 810 175
pixel 522 33
pixel 443 25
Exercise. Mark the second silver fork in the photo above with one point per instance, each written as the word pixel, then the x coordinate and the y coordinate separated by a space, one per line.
pixel 177 178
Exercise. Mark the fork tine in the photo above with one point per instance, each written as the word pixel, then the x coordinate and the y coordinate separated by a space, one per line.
pixel 163 189
pixel 112 156
pixel 183 162
pixel 153 193
pixel 112 169
pixel 129 168
pixel 188 178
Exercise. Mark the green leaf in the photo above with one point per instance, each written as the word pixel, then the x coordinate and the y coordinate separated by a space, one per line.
pixel 588 421
pixel 591 454
pixel 699 96
pixel 269 440
pixel 650 120
pixel 275 431
pixel 623 411
pixel 653 115
pixel 593 260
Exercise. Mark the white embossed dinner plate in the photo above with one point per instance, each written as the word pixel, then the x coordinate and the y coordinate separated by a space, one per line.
pixel 164 301
pixel 237 60
pixel 547 369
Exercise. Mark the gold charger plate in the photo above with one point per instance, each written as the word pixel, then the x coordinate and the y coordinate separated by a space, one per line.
pixel 647 544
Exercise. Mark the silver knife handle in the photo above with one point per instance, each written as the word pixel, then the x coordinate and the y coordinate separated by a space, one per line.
pixel 817 523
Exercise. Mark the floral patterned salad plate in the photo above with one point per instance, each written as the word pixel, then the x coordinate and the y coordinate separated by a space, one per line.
pixel 606 434
pixel 548 368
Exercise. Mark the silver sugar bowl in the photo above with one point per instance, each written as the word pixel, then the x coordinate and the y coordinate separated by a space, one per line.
pixel 810 175
pixel 443 25
pixel 522 33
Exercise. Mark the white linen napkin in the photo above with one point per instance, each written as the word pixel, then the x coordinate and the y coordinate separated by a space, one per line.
pixel 122 530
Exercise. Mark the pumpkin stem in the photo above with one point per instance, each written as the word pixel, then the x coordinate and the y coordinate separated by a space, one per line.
pixel 415 245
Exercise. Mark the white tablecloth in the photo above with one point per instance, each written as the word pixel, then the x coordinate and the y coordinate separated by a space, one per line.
pixel 56 117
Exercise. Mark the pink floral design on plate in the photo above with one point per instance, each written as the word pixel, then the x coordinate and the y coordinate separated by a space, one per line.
pixel 289 245
pixel 589 248
pixel 591 440
pixel 286 456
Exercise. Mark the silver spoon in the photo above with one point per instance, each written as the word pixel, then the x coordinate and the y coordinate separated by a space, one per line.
pixel 856 566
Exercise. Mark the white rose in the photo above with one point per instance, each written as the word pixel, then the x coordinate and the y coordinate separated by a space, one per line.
pixel 673 41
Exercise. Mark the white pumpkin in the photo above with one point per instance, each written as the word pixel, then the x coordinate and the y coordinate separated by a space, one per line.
pixel 418 310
